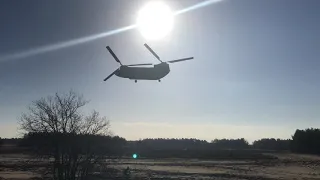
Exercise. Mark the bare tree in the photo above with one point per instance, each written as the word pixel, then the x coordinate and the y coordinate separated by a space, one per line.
pixel 60 114
pixel 59 130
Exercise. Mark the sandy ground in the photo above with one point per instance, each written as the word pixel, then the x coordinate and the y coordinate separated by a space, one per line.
pixel 287 167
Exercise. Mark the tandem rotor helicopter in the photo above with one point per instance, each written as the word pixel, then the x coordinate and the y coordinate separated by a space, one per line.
pixel 131 72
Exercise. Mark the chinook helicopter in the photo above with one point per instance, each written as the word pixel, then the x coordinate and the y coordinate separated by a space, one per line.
pixel 135 73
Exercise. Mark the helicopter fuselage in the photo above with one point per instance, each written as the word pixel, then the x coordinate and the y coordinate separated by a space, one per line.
pixel 136 72
pixel 156 72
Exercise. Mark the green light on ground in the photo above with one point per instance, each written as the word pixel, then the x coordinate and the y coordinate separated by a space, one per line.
pixel 134 156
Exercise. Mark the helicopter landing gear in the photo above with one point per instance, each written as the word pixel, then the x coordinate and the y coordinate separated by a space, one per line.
pixel 135 81
pixel 159 80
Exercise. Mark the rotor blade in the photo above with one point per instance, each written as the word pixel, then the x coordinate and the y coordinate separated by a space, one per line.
pixel 149 48
pixel 110 75
pixel 178 60
pixel 145 64
pixel 114 56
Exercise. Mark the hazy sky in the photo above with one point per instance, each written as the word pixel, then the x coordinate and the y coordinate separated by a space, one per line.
pixel 255 72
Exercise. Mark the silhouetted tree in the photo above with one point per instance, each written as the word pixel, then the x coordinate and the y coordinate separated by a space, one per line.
pixel 55 128
pixel 306 141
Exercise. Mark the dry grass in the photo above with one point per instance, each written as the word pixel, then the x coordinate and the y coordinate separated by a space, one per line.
pixel 286 166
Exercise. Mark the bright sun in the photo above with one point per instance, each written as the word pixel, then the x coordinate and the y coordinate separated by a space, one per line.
pixel 155 20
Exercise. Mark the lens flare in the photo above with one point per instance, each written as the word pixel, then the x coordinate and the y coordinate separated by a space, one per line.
pixel 197 6
pixel 57 46
pixel 134 156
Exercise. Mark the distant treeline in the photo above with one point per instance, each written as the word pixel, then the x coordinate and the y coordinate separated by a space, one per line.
pixel 272 144
pixel 10 141
pixel 42 143
pixel 303 141
pixel 195 148
pixel 187 144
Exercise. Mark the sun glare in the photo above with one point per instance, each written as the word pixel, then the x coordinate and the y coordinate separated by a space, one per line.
pixel 155 20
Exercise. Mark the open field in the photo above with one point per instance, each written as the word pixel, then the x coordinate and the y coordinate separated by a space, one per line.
pixel 284 166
